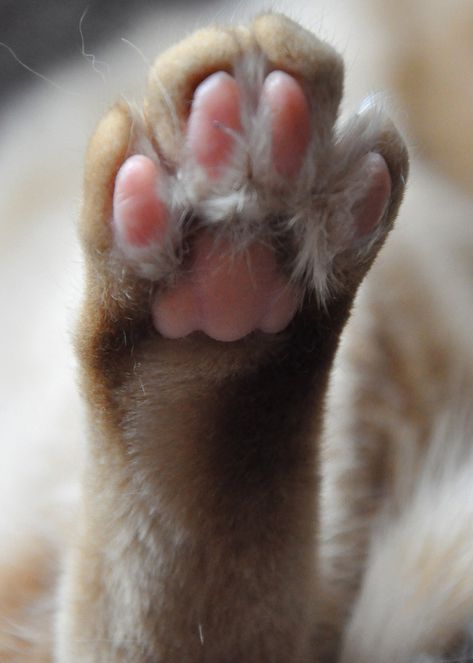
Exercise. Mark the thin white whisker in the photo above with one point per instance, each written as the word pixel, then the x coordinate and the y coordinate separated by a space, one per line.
pixel 236 135
pixel 166 97
pixel 138 50
pixel 90 57
pixel 36 73
pixel 132 106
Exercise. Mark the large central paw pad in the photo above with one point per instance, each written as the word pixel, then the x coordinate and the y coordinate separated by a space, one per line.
pixel 221 288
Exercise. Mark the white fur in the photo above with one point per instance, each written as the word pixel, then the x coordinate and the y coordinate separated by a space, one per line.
pixel 417 593
pixel 250 201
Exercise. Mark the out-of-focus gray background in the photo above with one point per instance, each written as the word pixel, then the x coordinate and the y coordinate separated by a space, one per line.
pixel 42 31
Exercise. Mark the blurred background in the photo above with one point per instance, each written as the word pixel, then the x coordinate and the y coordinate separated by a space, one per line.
pixel 61 66
pixel 41 32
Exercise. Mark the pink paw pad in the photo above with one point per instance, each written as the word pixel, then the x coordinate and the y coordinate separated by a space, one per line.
pixel 377 194
pixel 224 294
pixel 213 122
pixel 139 214
pixel 290 122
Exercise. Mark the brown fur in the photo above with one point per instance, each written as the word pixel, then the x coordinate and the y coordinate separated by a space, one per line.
pixel 199 520
pixel 27 605
pixel 198 535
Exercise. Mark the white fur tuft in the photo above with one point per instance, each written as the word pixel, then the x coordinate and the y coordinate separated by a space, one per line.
pixel 251 202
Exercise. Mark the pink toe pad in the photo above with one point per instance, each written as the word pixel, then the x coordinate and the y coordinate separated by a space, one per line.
pixel 139 214
pixel 290 121
pixel 376 197
pixel 226 296
pixel 215 116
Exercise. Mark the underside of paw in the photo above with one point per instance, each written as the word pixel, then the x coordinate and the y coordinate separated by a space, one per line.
pixel 252 174
pixel 226 230
pixel 225 292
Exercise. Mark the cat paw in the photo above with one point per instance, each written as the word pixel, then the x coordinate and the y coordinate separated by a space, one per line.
pixel 226 229
pixel 225 290
pixel 235 200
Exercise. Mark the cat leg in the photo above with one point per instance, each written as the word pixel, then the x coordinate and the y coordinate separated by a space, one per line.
pixel 225 234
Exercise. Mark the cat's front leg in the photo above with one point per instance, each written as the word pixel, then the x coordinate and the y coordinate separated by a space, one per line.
pixel 225 235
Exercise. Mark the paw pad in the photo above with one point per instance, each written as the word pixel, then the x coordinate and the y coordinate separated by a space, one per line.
pixel 224 294
pixel 244 147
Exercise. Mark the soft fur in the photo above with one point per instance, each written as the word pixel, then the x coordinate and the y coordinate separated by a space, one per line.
pixel 201 488
pixel 235 523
